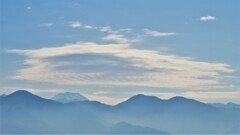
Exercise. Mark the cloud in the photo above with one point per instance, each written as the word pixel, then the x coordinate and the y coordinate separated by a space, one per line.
pixel 108 29
pixel 88 27
pixel 75 24
pixel 118 38
pixel 157 34
pixel 207 18
pixel 105 29
pixel 113 35
pixel 87 63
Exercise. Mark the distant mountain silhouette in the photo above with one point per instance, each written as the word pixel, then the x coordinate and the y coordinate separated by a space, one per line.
pixel 3 95
pixel 126 128
pixel 25 113
pixel 176 115
pixel 68 97
pixel 23 98
pixel 139 114
pixel 228 105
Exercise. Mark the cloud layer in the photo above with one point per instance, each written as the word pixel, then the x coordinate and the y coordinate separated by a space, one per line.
pixel 86 63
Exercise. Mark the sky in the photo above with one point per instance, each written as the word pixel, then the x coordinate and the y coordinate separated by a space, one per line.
pixel 111 50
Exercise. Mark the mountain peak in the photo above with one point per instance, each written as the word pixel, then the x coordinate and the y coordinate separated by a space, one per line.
pixel 68 97
pixel 140 98
pixel 21 93
pixel 143 96
pixel 178 98
pixel 182 99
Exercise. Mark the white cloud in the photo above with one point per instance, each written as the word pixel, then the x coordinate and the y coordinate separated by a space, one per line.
pixel 118 64
pixel 115 37
pixel 119 38
pixel 105 29
pixel 108 29
pixel 207 18
pixel 157 34
pixel 88 27
pixel 75 24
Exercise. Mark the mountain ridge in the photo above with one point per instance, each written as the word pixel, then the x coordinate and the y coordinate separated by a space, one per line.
pixel 174 115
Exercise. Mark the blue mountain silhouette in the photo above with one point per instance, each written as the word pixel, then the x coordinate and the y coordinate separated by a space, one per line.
pixel 139 114
pixel 23 112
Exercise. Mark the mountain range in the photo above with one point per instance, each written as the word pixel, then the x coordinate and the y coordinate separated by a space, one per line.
pixel 23 112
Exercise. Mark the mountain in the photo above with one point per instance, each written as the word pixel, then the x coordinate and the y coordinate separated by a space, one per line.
pixel 126 128
pixel 68 97
pixel 23 112
pixel 139 114
pixel 23 98
pixel 228 105
pixel 176 115
pixel 3 95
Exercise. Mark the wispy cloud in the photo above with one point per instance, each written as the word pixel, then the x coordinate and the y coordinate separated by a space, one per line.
pixel 157 33
pixel 207 18
pixel 119 38
pixel 87 63
pixel 75 24
pixel 115 37
pixel 106 29
pixel 88 27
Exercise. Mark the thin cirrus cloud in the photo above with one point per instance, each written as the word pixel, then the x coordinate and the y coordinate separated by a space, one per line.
pixel 113 35
pixel 207 18
pixel 157 33
pixel 106 29
pixel 88 63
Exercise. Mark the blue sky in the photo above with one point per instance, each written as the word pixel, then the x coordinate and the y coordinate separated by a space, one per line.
pixel 111 50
